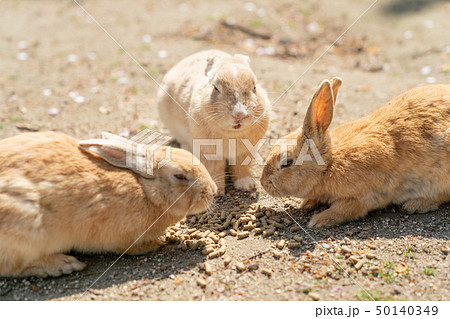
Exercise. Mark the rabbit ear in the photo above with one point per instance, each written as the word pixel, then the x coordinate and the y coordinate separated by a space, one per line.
pixel 336 82
pixel 243 59
pixel 111 150
pixel 320 111
pixel 209 65
pixel 110 136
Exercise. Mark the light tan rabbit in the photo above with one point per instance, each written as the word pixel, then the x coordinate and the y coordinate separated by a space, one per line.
pixel 224 101
pixel 58 194
pixel 399 154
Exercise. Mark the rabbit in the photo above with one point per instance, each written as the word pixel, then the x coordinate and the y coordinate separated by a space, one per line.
pixel 213 95
pixel 58 194
pixel 399 154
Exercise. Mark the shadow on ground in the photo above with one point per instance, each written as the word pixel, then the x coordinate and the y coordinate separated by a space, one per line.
pixel 403 7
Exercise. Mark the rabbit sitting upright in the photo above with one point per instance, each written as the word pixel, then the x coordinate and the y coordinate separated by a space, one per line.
pixel 215 97
pixel 58 194
pixel 398 154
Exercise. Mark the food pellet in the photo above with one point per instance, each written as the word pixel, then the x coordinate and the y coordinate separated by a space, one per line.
pixel 293 229
pixel 276 224
pixel 287 221
pixel 294 245
pixel 249 226
pixel 236 224
pixel 359 264
pixel 233 232
pixel 268 232
pixel 298 238
pixel 264 222
pixel 207 250
pixel 281 244
pixel 208 269
pixel 345 249
pixel 277 254
pixel 243 235
pixel 222 234
pixel 276 234
pixel 257 231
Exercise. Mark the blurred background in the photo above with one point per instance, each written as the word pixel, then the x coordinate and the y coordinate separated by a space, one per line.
pixel 60 71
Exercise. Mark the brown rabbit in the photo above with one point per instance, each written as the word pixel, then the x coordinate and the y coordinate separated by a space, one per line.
pixel 399 154
pixel 55 196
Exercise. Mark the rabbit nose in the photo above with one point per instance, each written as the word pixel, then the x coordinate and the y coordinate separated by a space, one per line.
pixel 239 114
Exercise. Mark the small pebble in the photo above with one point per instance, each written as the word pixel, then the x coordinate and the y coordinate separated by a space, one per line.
pixel 22 45
pixel 162 54
pixel 315 296
pixel 425 70
pixel 47 92
pixel 72 58
pixel 201 282
pixel 240 267
pixel 22 56
pixel 147 38
pixel 92 56
pixel 53 111
pixel 266 271
pixel 227 261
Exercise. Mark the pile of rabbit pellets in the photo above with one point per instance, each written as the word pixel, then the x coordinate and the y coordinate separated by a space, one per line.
pixel 206 231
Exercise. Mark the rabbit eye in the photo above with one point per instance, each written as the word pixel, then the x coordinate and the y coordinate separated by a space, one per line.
pixel 180 177
pixel 288 163
pixel 216 89
pixel 254 89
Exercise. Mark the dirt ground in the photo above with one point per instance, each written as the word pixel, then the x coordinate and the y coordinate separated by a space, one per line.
pixel 60 71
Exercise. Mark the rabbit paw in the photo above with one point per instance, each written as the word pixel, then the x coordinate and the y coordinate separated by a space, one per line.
pixel 323 220
pixel 54 266
pixel 144 247
pixel 420 205
pixel 245 183
pixel 309 204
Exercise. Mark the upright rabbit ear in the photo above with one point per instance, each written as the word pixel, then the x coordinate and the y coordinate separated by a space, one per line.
pixel 320 111
pixel 243 59
pixel 336 82
pixel 111 150
pixel 209 65
pixel 110 136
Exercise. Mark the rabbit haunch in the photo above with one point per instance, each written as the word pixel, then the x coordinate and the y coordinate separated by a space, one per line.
pixel 213 95
pixel 55 196
pixel 398 154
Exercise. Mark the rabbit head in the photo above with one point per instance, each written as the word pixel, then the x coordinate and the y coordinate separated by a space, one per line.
pixel 297 162
pixel 167 175
pixel 233 94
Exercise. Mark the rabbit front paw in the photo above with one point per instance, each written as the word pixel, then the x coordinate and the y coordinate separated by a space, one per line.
pixel 54 266
pixel 245 183
pixel 325 219
pixel 307 204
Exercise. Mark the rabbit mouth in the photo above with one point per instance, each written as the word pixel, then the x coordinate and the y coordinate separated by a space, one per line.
pixel 237 126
